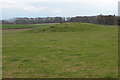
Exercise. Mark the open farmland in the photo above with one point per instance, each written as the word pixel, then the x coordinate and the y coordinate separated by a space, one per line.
pixel 22 26
pixel 67 50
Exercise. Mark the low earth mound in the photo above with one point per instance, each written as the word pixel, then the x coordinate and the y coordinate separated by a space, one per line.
pixel 69 27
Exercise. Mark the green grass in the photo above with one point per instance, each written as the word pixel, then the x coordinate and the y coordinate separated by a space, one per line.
pixel 20 26
pixel 69 50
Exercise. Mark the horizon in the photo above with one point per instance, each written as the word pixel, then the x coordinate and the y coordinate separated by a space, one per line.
pixel 58 16
pixel 33 9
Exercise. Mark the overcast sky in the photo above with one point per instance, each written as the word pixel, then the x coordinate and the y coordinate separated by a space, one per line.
pixel 65 8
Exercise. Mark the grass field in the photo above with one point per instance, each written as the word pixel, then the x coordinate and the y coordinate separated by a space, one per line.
pixel 22 26
pixel 68 50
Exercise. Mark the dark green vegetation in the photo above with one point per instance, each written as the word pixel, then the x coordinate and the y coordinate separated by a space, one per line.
pixel 61 51
pixel 21 26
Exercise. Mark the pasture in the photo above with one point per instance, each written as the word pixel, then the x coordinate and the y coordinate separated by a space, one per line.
pixel 21 26
pixel 67 50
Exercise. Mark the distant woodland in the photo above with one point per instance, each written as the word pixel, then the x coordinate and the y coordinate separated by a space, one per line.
pixel 100 19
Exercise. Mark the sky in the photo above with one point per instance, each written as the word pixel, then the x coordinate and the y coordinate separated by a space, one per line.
pixel 51 8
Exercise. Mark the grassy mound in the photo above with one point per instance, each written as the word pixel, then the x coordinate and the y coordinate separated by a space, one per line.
pixel 69 27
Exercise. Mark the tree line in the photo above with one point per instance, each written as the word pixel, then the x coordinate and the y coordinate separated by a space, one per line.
pixel 100 19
